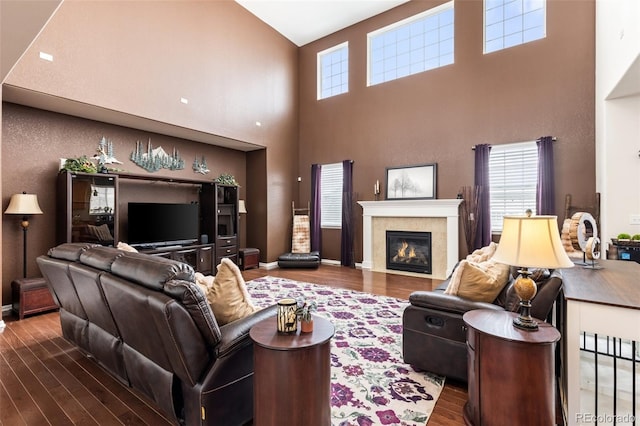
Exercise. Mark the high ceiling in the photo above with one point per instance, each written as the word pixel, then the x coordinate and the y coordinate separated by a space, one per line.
pixel 303 21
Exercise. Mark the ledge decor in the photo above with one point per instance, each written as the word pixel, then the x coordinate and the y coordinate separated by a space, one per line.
pixel 200 166
pixel 226 179
pixel 411 182
pixel 155 159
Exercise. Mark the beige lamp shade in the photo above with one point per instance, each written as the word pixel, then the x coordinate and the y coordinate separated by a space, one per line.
pixel 532 242
pixel 242 209
pixel 24 204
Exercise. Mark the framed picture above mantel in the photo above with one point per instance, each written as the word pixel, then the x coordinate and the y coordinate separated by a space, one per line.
pixel 411 182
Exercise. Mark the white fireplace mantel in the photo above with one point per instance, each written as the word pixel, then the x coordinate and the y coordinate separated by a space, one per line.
pixel 448 209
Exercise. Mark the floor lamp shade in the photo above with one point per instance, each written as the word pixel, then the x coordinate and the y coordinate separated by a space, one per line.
pixel 24 204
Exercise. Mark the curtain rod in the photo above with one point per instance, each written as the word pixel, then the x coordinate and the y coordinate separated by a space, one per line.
pixel 553 139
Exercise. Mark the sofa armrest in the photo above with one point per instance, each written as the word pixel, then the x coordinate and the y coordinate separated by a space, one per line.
pixel 236 334
pixel 446 302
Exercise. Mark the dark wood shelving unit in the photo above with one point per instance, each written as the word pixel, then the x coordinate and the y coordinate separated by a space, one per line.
pixel 219 216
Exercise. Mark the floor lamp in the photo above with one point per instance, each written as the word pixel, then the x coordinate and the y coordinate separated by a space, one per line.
pixel 242 209
pixel 24 204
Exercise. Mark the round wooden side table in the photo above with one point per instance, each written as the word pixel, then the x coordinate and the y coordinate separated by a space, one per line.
pixel 511 371
pixel 292 374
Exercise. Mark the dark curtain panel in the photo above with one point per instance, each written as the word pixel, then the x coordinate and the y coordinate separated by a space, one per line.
pixel 316 232
pixel 483 231
pixel 346 242
pixel 545 189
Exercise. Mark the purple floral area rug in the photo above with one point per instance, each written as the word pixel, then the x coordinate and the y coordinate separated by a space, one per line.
pixel 370 384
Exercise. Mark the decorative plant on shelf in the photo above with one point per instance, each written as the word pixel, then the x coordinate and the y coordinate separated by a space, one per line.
pixel 80 164
pixel 304 311
pixel 226 179
pixel 624 236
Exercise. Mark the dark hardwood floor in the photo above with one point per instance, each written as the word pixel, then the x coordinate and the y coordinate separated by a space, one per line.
pixel 45 380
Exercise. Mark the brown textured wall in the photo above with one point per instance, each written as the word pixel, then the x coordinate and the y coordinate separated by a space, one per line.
pixel 545 87
pixel 32 143
pixel 140 58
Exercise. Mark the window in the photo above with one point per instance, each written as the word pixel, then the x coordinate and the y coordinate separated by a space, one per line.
pixel 333 71
pixel 513 174
pixel 509 23
pixel 416 44
pixel 331 195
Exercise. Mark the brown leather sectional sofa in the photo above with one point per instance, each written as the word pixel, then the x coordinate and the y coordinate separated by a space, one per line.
pixel 144 319
pixel 434 334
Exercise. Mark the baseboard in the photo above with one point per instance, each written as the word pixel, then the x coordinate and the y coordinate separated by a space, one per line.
pixel 6 310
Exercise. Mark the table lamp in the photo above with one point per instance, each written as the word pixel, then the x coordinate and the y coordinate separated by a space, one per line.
pixel 24 204
pixel 530 242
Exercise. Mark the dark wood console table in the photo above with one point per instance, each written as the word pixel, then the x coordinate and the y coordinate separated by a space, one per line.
pixel 292 375
pixel 603 301
pixel 511 371
pixel 200 256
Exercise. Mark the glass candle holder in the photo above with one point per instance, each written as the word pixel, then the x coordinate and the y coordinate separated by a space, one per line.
pixel 286 317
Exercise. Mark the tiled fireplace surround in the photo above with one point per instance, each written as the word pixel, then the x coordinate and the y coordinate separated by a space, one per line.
pixel 440 217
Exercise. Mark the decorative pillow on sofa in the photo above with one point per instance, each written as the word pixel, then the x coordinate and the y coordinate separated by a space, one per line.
pixel 227 293
pixel 480 282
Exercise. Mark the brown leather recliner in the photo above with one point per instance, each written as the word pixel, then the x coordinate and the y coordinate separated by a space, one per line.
pixel 434 334
pixel 144 319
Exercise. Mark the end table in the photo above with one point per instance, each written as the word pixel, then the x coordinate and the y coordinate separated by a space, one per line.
pixel 511 371
pixel 292 374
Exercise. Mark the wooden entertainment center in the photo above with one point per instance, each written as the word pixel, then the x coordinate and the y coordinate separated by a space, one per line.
pixel 88 210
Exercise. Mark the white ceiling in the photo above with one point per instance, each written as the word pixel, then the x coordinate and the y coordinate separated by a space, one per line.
pixel 304 21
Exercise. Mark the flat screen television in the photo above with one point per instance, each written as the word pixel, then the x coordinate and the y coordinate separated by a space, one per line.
pixel 162 224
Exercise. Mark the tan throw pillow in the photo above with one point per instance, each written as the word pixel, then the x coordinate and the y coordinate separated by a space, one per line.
pixel 227 295
pixel 480 282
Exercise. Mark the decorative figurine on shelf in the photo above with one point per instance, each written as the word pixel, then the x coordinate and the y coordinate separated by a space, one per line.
pixel 155 159
pixel 105 155
pixel 200 166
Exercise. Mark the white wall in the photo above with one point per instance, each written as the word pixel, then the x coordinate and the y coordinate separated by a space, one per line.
pixel 618 115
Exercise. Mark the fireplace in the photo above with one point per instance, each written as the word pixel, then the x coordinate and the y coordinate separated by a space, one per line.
pixel 409 251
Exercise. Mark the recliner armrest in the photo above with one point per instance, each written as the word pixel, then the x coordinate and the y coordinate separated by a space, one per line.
pixel 236 334
pixel 446 302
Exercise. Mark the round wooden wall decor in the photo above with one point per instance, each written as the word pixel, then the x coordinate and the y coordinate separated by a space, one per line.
pixel 583 226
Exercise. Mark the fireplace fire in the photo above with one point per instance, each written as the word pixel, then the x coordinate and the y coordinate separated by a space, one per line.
pixel 409 251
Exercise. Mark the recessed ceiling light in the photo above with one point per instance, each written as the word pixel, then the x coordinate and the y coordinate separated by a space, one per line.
pixel 46 56
pixel 184 100
pixel 258 123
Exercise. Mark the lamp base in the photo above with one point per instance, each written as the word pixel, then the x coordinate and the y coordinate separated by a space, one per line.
pixel 523 323
pixel 526 290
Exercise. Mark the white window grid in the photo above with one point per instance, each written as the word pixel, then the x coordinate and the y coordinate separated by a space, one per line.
pixel 513 176
pixel 333 71
pixel 419 43
pixel 331 195
pixel 509 23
